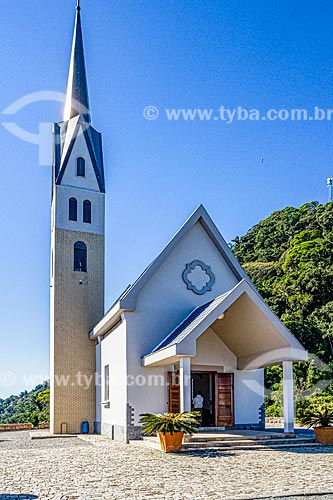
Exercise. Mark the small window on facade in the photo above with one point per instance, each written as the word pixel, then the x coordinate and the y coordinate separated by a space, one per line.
pixel 73 209
pixel 80 167
pixel 80 257
pixel 107 383
pixel 87 211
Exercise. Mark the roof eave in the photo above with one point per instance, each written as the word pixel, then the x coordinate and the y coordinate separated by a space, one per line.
pixel 164 356
pixel 107 322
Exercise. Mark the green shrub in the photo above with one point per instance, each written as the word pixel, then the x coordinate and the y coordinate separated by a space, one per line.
pixel 34 419
pixel 316 412
pixel 273 409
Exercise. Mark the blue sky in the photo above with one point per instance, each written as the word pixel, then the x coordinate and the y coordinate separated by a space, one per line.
pixel 175 54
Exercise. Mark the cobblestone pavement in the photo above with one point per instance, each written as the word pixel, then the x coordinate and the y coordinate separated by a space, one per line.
pixel 72 469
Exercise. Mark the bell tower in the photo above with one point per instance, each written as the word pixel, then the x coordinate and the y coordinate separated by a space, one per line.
pixel 77 251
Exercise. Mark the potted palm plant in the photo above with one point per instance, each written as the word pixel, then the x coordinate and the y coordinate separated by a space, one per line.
pixel 319 415
pixel 170 427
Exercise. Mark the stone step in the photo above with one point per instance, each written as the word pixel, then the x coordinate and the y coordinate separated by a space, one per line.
pixel 252 447
pixel 249 443
pixel 203 438
pixel 210 442
pixel 211 429
pixel 242 445
pixel 248 432
pixel 231 437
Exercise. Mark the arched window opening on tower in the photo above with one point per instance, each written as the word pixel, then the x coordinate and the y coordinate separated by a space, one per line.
pixel 87 211
pixel 80 167
pixel 80 257
pixel 73 209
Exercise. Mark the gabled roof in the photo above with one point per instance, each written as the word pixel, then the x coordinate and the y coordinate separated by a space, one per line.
pixel 182 340
pixel 200 215
pixel 127 300
pixel 64 136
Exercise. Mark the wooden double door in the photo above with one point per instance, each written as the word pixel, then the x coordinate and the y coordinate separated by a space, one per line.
pixel 217 390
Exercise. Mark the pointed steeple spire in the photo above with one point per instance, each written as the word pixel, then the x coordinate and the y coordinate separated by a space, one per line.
pixel 77 101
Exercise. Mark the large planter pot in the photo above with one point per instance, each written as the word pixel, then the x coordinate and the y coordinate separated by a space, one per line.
pixel 324 435
pixel 171 442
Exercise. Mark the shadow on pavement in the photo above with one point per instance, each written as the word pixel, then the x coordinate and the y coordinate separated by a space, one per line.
pixel 22 496
pixel 204 453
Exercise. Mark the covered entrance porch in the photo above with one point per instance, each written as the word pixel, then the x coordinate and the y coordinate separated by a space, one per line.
pixel 250 333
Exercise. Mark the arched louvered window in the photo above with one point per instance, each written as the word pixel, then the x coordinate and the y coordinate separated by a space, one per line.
pixel 80 257
pixel 72 209
pixel 80 167
pixel 87 211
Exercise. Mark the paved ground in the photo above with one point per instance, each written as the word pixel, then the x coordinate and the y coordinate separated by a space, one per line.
pixel 71 469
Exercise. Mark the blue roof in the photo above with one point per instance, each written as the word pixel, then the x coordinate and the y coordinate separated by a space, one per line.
pixel 190 322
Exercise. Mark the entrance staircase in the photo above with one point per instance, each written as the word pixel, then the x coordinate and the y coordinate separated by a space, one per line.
pixel 240 440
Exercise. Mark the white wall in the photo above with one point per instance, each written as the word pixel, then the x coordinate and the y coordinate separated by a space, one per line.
pixel 113 353
pixel 80 148
pixel 249 395
pixel 211 351
pixel 81 188
pixel 97 200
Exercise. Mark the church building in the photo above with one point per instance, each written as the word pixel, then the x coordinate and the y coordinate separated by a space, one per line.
pixel 192 322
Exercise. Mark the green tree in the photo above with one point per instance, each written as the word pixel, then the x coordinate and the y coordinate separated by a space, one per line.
pixel 27 407
pixel 289 257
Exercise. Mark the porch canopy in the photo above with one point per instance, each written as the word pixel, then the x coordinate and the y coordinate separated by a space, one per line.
pixel 245 324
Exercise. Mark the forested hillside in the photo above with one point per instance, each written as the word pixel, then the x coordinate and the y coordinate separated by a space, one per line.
pixel 28 407
pixel 289 257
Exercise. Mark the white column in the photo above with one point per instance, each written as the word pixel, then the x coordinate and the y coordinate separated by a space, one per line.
pixel 288 396
pixel 185 384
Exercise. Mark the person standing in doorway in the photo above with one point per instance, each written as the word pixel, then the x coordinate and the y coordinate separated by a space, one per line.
pixel 198 403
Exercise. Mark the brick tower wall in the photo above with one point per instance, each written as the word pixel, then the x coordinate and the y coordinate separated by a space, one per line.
pixel 77 304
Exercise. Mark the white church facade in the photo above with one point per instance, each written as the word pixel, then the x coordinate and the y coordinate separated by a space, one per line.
pixel 192 322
